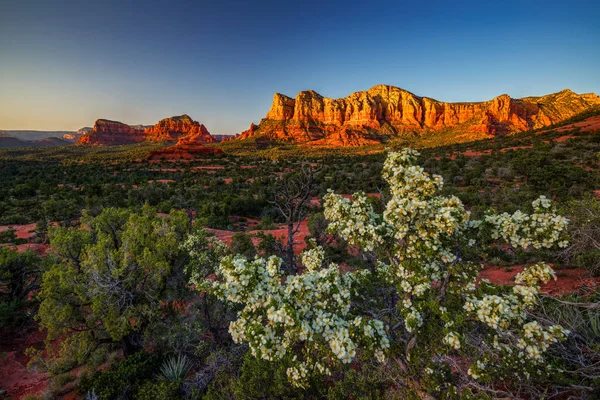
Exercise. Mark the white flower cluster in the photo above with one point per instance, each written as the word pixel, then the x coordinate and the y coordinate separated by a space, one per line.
pixel 509 311
pixel 542 229
pixel 500 311
pixel 309 313
pixel 355 220
pixel 452 340
pixel 535 340
pixel 313 258
pixel 535 274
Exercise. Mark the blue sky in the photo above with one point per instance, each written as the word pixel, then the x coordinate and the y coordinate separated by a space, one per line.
pixel 64 64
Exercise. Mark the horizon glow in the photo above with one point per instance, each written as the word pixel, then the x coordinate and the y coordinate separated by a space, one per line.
pixel 66 64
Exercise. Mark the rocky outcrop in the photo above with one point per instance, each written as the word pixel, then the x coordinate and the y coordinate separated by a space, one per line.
pixel 171 129
pixel 383 111
pixel 187 148
pixel 168 129
pixel 248 132
pixel 111 132
pixel 345 137
pixel 72 137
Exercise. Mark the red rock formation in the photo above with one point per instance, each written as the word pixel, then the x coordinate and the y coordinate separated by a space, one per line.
pixel 187 148
pixel 344 137
pixel 171 129
pixel 168 129
pixel 248 132
pixel 386 110
pixel 111 132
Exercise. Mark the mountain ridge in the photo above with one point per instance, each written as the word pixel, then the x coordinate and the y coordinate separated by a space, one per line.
pixel 383 111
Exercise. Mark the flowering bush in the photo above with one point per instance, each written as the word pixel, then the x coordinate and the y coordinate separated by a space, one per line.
pixel 427 249
pixel 312 308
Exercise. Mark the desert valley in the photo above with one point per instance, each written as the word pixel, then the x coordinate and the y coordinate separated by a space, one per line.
pixel 498 154
pixel 319 200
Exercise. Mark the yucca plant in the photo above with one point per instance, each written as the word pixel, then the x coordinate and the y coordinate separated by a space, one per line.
pixel 91 395
pixel 175 368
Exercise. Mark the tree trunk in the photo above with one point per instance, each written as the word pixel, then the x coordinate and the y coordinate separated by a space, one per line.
pixel 290 248
pixel 130 344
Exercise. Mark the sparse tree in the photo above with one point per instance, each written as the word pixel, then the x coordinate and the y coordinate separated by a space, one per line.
pixel 291 197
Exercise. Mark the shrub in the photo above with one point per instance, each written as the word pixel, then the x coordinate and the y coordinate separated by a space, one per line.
pixel 584 229
pixel 121 380
pixel 161 390
pixel 242 244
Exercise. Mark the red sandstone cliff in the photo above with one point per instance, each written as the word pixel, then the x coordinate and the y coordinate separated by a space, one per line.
pixel 171 129
pixel 111 132
pixel 248 132
pixel 168 129
pixel 370 116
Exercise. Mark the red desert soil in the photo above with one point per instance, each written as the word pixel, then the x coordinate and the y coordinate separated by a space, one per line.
pixel 15 378
pixel 588 125
pixel 471 153
pixel 279 233
pixel 39 248
pixel 563 138
pixel 505 149
pixel 568 280
pixel 22 231
pixel 208 167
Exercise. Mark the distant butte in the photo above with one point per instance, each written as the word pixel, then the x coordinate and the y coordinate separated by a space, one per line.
pixel 174 128
pixel 171 129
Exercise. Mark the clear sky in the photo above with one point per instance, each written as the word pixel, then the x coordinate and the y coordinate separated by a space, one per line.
pixel 64 64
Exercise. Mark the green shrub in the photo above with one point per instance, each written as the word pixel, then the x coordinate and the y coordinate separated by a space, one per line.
pixel 242 244
pixel 161 390
pixel 258 379
pixel 121 380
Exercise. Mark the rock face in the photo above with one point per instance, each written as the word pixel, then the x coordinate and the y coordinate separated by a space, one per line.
pixel 111 132
pixel 171 129
pixel 248 132
pixel 168 129
pixel 374 115
pixel 187 148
